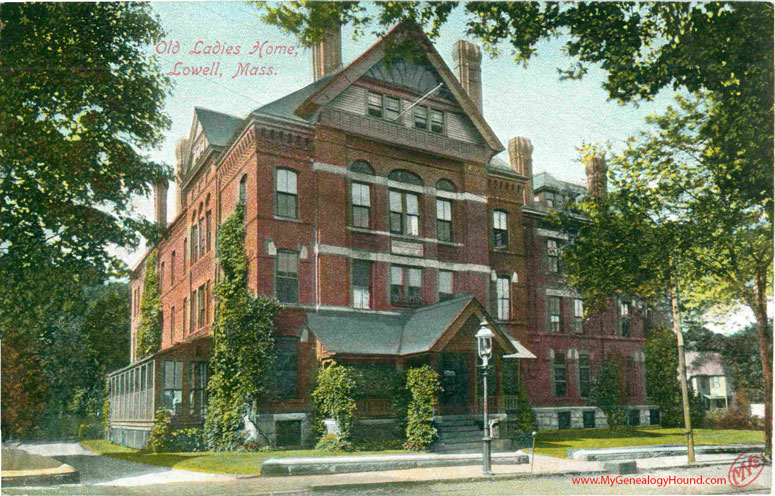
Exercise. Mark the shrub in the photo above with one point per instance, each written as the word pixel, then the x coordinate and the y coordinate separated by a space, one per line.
pixel 333 397
pixel 334 442
pixel 106 417
pixel 186 440
pixel 423 385
pixel 161 432
pixel 378 444
pixel 522 420
pixel 607 393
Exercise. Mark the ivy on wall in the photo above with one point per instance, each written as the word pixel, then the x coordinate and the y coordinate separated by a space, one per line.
pixel 149 330
pixel 242 361
pixel 334 397
pixel 423 385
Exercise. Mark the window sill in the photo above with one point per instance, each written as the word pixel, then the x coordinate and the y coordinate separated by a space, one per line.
pixel 288 219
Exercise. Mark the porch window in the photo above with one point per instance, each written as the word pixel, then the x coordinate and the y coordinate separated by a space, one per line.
pixel 405 285
pixel 286 368
pixel 554 323
pixel 584 374
pixel 444 220
pixel 287 277
pixel 361 283
pixel 361 205
pixel 578 316
pixel 197 382
pixel 445 285
pixel 500 229
pixel 286 196
pixel 503 299
pixel 404 213
pixel 552 256
pixel 624 318
pixel 172 386
pixel 560 379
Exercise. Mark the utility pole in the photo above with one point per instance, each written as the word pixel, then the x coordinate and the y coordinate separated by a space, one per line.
pixel 682 372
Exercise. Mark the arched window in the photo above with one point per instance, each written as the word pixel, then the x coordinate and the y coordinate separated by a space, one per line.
pixel 362 167
pixel 500 229
pixel 242 184
pixel 405 176
pixel 286 198
pixel 208 222
pixel 404 206
pixel 194 239
pixel 445 185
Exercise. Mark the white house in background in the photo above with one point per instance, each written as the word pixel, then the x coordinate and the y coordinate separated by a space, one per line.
pixel 706 376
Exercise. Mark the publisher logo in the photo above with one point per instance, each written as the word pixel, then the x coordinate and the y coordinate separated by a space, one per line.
pixel 745 469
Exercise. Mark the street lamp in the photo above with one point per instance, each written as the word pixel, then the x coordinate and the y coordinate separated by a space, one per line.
pixel 484 345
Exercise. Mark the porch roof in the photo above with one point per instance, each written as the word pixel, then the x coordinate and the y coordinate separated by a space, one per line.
pixel 416 331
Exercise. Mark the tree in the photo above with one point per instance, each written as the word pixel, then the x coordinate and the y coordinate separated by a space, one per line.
pixel 82 100
pixel 661 366
pixel 722 47
pixel 608 392
pixel 672 223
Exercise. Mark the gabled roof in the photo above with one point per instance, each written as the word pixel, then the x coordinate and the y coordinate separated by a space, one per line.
pixel 285 107
pixel 415 332
pixel 360 66
pixel 703 363
pixel 217 126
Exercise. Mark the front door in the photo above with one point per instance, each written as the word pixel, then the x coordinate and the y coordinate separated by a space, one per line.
pixel 454 383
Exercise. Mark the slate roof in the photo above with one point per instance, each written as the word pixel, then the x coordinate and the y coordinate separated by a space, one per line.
pixel 285 107
pixel 497 164
pixel 371 334
pixel 546 180
pixel 217 126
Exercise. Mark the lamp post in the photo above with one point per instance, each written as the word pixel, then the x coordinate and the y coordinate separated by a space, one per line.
pixel 484 346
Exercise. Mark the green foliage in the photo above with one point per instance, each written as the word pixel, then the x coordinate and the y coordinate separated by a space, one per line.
pixel 106 417
pixel 334 442
pixel 522 419
pixel 373 381
pixel 424 385
pixel 333 397
pixel 161 432
pixel 75 138
pixel 242 361
pixel 606 392
pixel 378 444
pixel 149 330
pixel 661 365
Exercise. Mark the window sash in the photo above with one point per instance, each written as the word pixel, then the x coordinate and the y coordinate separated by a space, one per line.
pixel 202 236
pixel 500 220
pixel 287 367
pixel 503 298
pixel 392 108
pixel 437 121
pixel 287 205
pixel 286 181
pixel 375 104
pixel 585 375
pixel 421 117
pixel 560 378
pixel 361 284
pixel 445 282
pixel 287 277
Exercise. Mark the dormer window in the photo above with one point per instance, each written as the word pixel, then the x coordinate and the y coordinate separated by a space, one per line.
pixel 437 121
pixel 421 117
pixel 392 108
pixel 375 105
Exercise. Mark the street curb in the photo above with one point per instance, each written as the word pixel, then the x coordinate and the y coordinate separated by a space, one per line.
pixel 479 478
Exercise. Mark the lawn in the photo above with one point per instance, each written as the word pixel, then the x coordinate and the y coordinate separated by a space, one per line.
pixel 214 462
pixel 557 443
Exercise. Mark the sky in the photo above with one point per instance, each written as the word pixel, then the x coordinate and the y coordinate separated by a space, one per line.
pixel 557 116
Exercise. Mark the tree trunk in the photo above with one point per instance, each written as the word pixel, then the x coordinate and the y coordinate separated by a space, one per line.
pixel 682 375
pixel 760 309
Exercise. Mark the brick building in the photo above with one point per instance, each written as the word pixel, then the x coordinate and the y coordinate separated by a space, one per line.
pixel 378 213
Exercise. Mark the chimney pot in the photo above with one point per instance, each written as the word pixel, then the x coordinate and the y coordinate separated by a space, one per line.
pixel 597 178
pixel 327 53
pixel 467 58
pixel 160 202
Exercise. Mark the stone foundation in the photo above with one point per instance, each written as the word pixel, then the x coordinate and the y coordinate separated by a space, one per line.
pixel 547 418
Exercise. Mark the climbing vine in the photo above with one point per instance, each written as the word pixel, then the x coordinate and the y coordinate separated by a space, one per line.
pixel 334 397
pixel 242 361
pixel 149 330
pixel 423 385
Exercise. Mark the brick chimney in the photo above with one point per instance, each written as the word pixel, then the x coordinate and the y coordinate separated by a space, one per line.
pixel 521 161
pixel 160 202
pixel 467 59
pixel 327 53
pixel 597 179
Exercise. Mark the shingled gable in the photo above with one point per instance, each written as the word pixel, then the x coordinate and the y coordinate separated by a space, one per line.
pixel 360 66
pixel 422 330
